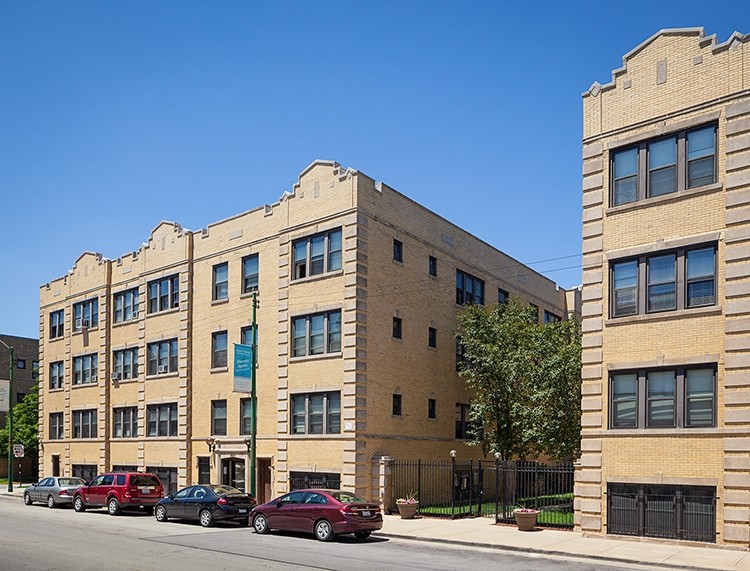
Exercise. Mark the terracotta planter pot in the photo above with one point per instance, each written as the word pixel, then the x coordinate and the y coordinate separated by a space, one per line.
pixel 526 520
pixel 407 511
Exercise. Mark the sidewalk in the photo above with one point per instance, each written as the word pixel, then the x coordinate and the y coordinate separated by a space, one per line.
pixel 482 532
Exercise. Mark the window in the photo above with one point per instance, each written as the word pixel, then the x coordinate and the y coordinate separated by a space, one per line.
pixel 167 477
pixel 460 354
pixel 85 369
pixel 125 364
pixel 432 337
pixel 221 281
pixel 463 426
pixel 246 416
pixel 35 370
pixel 397 328
pixel 162 357
pixel 163 294
pixel 316 334
pixel 534 311
pixel 84 423
pixel 682 279
pixel 219 417
pixel 219 350
pixel 86 471
pixel 469 289
pixel 85 314
pixel 56 375
pixel 431 408
pixel 550 317
pixel 396 405
pixel 56 324
pixel 502 296
pixel 246 338
pixel 316 413
pixel 683 397
pixel 21 363
pixel 126 305
pixel 681 161
pixel 304 480
pixel 669 512
pixel 125 422
pixel 398 251
pixel 250 273
pixel 432 266
pixel 56 427
pixel 317 254
pixel 162 420
pixel 204 470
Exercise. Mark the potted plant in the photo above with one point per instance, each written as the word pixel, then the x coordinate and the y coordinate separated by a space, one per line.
pixel 525 518
pixel 408 505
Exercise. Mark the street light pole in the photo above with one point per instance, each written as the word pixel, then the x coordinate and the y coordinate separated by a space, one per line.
pixel 10 417
pixel 254 399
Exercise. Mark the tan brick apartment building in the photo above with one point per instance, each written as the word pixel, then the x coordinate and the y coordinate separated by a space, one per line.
pixel 359 288
pixel 666 293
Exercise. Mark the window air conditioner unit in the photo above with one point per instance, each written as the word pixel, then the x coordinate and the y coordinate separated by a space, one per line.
pixel 115 376
pixel 135 315
pixel 94 378
pixel 79 323
pixel 162 369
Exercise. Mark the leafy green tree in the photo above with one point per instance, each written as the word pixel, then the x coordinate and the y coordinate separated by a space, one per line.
pixel 25 425
pixel 526 380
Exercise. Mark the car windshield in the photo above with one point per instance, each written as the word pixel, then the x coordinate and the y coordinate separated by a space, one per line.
pixel 144 480
pixel 71 482
pixel 226 491
pixel 348 497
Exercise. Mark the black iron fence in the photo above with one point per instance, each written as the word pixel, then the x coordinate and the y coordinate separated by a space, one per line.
pixel 481 488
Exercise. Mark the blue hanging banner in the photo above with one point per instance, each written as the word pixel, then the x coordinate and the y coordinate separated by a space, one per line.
pixel 243 368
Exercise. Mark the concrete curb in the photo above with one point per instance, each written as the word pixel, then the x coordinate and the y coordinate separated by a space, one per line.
pixel 547 552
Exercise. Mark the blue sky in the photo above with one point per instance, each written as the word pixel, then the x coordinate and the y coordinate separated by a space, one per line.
pixel 117 115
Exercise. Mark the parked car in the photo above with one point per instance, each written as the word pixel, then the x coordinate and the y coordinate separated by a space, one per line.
pixel 324 513
pixel 207 503
pixel 119 490
pixel 54 491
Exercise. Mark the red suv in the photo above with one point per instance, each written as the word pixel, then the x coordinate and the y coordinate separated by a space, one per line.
pixel 119 490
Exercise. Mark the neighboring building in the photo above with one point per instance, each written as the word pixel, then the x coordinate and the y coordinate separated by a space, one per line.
pixel 666 293
pixel 358 291
pixel 25 367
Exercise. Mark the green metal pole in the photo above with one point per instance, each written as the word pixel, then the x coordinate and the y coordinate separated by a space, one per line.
pixel 253 398
pixel 10 423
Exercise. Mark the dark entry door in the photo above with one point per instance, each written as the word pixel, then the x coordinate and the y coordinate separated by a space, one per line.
pixel 233 473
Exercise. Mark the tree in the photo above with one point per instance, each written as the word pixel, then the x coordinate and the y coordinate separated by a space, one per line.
pixel 526 380
pixel 25 425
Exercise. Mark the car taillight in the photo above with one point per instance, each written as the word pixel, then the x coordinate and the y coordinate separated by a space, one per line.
pixel 62 493
pixel 348 510
pixel 222 501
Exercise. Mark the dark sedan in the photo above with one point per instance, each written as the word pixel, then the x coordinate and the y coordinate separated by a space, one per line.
pixel 53 491
pixel 324 513
pixel 207 503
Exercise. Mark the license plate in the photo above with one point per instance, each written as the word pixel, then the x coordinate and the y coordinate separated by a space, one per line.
pixel 146 491
pixel 242 510
pixel 366 513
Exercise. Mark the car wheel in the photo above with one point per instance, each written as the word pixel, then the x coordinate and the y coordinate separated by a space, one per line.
pixel 113 506
pixel 206 518
pixel 78 504
pixel 51 501
pixel 260 524
pixel 27 499
pixel 323 530
pixel 161 513
pixel 362 534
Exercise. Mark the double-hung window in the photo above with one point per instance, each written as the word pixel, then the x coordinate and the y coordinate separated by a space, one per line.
pixel 162 420
pixel 463 424
pixel 246 416
pixel 221 281
pixel 56 324
pixel 219 417
pixel 85 314
pixel 674 163
pixel 318 254
pixel 681 397
pixel 125 364
pixel 126 305
pixel 84 423
pixel 163 294
pixel 469 289
pixel 316 334
pixel 56 375
pixel 250 273
pixel 681 279
pixel 162 357
pixel 219 350
pixel 398 250
pixel 125 422
pixel 85 368
pixel 56 427
pixel 316 413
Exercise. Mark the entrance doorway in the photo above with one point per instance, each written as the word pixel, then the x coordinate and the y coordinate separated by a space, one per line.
pixel 55 465
pixel 263 487
pixel 233 473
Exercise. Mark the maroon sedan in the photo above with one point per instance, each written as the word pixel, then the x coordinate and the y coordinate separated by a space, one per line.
pixel 325 513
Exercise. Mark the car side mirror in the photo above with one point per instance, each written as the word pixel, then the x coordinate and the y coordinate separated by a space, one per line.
pixel 170 496
pixel 279 504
